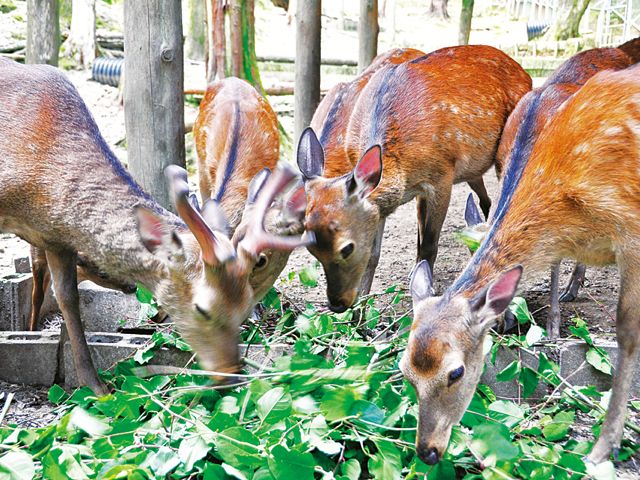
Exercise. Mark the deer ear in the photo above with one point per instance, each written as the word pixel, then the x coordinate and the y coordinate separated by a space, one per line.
pixel 368 171
pixel 295 204
pixel 256 184
pixel 471 212
pixel 494 300
pixel 310 155
pixel 421 283
pixel 154 233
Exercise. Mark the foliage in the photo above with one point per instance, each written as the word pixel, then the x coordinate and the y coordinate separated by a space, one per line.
pixel 334 407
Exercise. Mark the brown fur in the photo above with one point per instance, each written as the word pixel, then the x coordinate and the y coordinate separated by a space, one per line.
pixel 632 48
pixel 258 144
pixel 438 120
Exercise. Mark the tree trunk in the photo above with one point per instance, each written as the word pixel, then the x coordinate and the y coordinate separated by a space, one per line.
pixel 307 67
pixel 153 92
pixel 43 31
pixel 80 46
pixel 237 66
pixel 250 60
pixel 216 40
pixel 438 8
pixel 466 14
pixel 568 19
pixel 195 38
pixel 367 33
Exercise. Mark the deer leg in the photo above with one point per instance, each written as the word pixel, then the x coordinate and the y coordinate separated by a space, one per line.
pixel 553 320
pixel 577 279
pixel 367 279
pixel 485 202
pixel 628 336
pixel 41 279
pixel 429 231
pixel 65 282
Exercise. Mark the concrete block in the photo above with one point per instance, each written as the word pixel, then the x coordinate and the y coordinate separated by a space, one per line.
pixel 574 367
pixel 15 301
pixel 511 389
pixel 28 357
pixel 22 264
pixel 105 310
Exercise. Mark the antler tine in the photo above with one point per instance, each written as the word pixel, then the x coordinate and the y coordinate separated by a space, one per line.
pixel 215 250
pixel 257 238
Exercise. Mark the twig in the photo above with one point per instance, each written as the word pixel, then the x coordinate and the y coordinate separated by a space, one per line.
pixel 5 408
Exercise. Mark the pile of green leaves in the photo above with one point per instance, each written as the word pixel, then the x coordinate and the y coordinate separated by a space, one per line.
pixel 334 407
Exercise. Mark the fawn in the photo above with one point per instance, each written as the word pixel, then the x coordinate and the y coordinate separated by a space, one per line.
pixel 432 122
pixel 63 190
pixel 540 105
pixel 578 196
pixel 237 140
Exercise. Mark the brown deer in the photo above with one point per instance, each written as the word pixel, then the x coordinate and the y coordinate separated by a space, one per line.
pixel 63 190
pixel 544 101
pixel 432 122
pixel 237 140
pixel 578 196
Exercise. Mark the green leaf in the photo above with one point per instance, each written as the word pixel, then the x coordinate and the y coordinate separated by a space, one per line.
pixel 470 237
pixel 337 403
pixel 534 335
pixel 367 411
pixel 507 412
pixel 509 372
pixel 580 330
pixel 274 405
pixel 192 449
pixel 528 378
pixel 559 427
pixel 493 442
pixel 239 448
pixel 57 394
pixel 386 463
pixel 351 469
pixel 548 369
pixel 143 295
pixel 309 276
pixel 599 360
pixel 82 420
pixel 520 310
pixel 290 465
pixel 17 465
pixel 443 470
pixel 162 462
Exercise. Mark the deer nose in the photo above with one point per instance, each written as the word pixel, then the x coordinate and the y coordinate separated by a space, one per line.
pixel 428 455
pixel 337 307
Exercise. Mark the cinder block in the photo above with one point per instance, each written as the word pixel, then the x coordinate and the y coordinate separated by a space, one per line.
pixel 15 301
pixel 511 389
pixel 22 264
pixel 29 358
pixel 577 371
pixel 105 310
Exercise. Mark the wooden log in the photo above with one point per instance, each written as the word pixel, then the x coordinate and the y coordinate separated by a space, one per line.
pixel 335 62
pixel 307 74
pixel 367 33
pixel 43 31
pixel 153 91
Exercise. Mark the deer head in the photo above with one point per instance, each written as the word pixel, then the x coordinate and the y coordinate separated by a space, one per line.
pixel 344 220
pixel 205 287
pixel 444 356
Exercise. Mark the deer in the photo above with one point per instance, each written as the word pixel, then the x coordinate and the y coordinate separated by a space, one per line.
pixel 632 49
pixel 331 118
pixel 432 121
pixel 63 190
pixel 577 197
pixel 542 103
pixel 237 144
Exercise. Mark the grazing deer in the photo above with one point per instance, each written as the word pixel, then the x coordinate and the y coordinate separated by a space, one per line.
pixel 539 106
pixel 578 196
pixel 63 190
pixel 237 140
pixel 432 122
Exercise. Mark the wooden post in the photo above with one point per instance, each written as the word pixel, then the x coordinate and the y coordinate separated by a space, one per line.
pixel 195 38
pixel 43 32
pixel 237 66
pixel 80 45
pixel 466 14
pixel 367 33
pixel 307 76
pixel 216 40
pixel 153 91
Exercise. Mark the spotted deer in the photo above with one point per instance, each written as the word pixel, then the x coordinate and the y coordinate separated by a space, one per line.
pixel 237 142
pixel 540 105
pixel 578 196
pixel 63 190
pixel 431 122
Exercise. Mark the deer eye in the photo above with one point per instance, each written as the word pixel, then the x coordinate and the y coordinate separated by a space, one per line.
pixel 347 250
pixel 455 375
pixel 262 261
